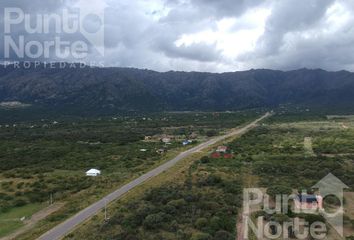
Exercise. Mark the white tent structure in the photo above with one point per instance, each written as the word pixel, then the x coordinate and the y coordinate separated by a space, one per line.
pixel 93 173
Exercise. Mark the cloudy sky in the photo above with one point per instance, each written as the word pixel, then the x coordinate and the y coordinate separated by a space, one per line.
pixel 218 35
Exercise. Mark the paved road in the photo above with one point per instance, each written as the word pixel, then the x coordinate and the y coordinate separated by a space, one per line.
pixel 66 227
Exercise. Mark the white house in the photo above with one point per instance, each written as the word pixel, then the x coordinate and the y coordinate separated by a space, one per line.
pixel 222 149
pixel 93 173
pixel 166 140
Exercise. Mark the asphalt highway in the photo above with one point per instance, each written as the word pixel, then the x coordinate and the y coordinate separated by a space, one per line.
pixel 69 225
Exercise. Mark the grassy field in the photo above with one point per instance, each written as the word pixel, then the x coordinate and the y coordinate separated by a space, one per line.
pixel 11 220
pixel 205 201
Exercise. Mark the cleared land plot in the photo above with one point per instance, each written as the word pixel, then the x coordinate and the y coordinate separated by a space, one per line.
pixel 11 220
pixel 308 146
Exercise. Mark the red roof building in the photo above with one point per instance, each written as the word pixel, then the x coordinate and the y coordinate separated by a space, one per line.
pixel 215 155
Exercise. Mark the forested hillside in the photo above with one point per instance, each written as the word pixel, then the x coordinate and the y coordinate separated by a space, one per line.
pixel 132 89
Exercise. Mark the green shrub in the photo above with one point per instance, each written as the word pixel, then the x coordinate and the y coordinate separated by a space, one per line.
pixel 201 236
pixel 19 203
pixel 153 221
pixel 201 223
pixel 223 235
pixel 205 160
pixel 279 190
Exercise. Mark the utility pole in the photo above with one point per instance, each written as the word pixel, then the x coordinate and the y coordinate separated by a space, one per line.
pixel 51 199
pixel 105 210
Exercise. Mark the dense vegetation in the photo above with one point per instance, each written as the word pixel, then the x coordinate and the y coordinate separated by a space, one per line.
pixel 99 90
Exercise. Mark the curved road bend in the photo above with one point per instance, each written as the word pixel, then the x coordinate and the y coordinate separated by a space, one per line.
pixel 66 227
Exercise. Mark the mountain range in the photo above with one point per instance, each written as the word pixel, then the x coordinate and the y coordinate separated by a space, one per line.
pixel 126 89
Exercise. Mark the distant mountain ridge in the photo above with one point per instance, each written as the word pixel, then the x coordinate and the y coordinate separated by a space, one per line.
pixel 127 89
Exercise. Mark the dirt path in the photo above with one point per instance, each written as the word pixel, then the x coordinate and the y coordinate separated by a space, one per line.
pixel 337 154
pixel 33 220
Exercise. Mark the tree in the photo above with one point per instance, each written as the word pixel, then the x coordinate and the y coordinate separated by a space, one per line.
pixel 153 221
pixel 201 223
pixel 211 133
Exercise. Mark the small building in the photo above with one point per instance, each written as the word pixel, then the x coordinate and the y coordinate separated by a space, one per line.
pixel 161 151
pixel 166 140
pixel 148 138
pixel 93 173
pixel 193 135
pixel 187 142
pixel 143 150
pixel 221 149
pixel 305 203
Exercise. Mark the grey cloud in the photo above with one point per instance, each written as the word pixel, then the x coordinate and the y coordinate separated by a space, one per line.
pixel 283 46
pixel 125 25
pixel 225 8
pixel 194 15
pixel 196 51
pixel 329 51
pixel 33 6
pixel 136 31
pixel 137 37
pixel 288 16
